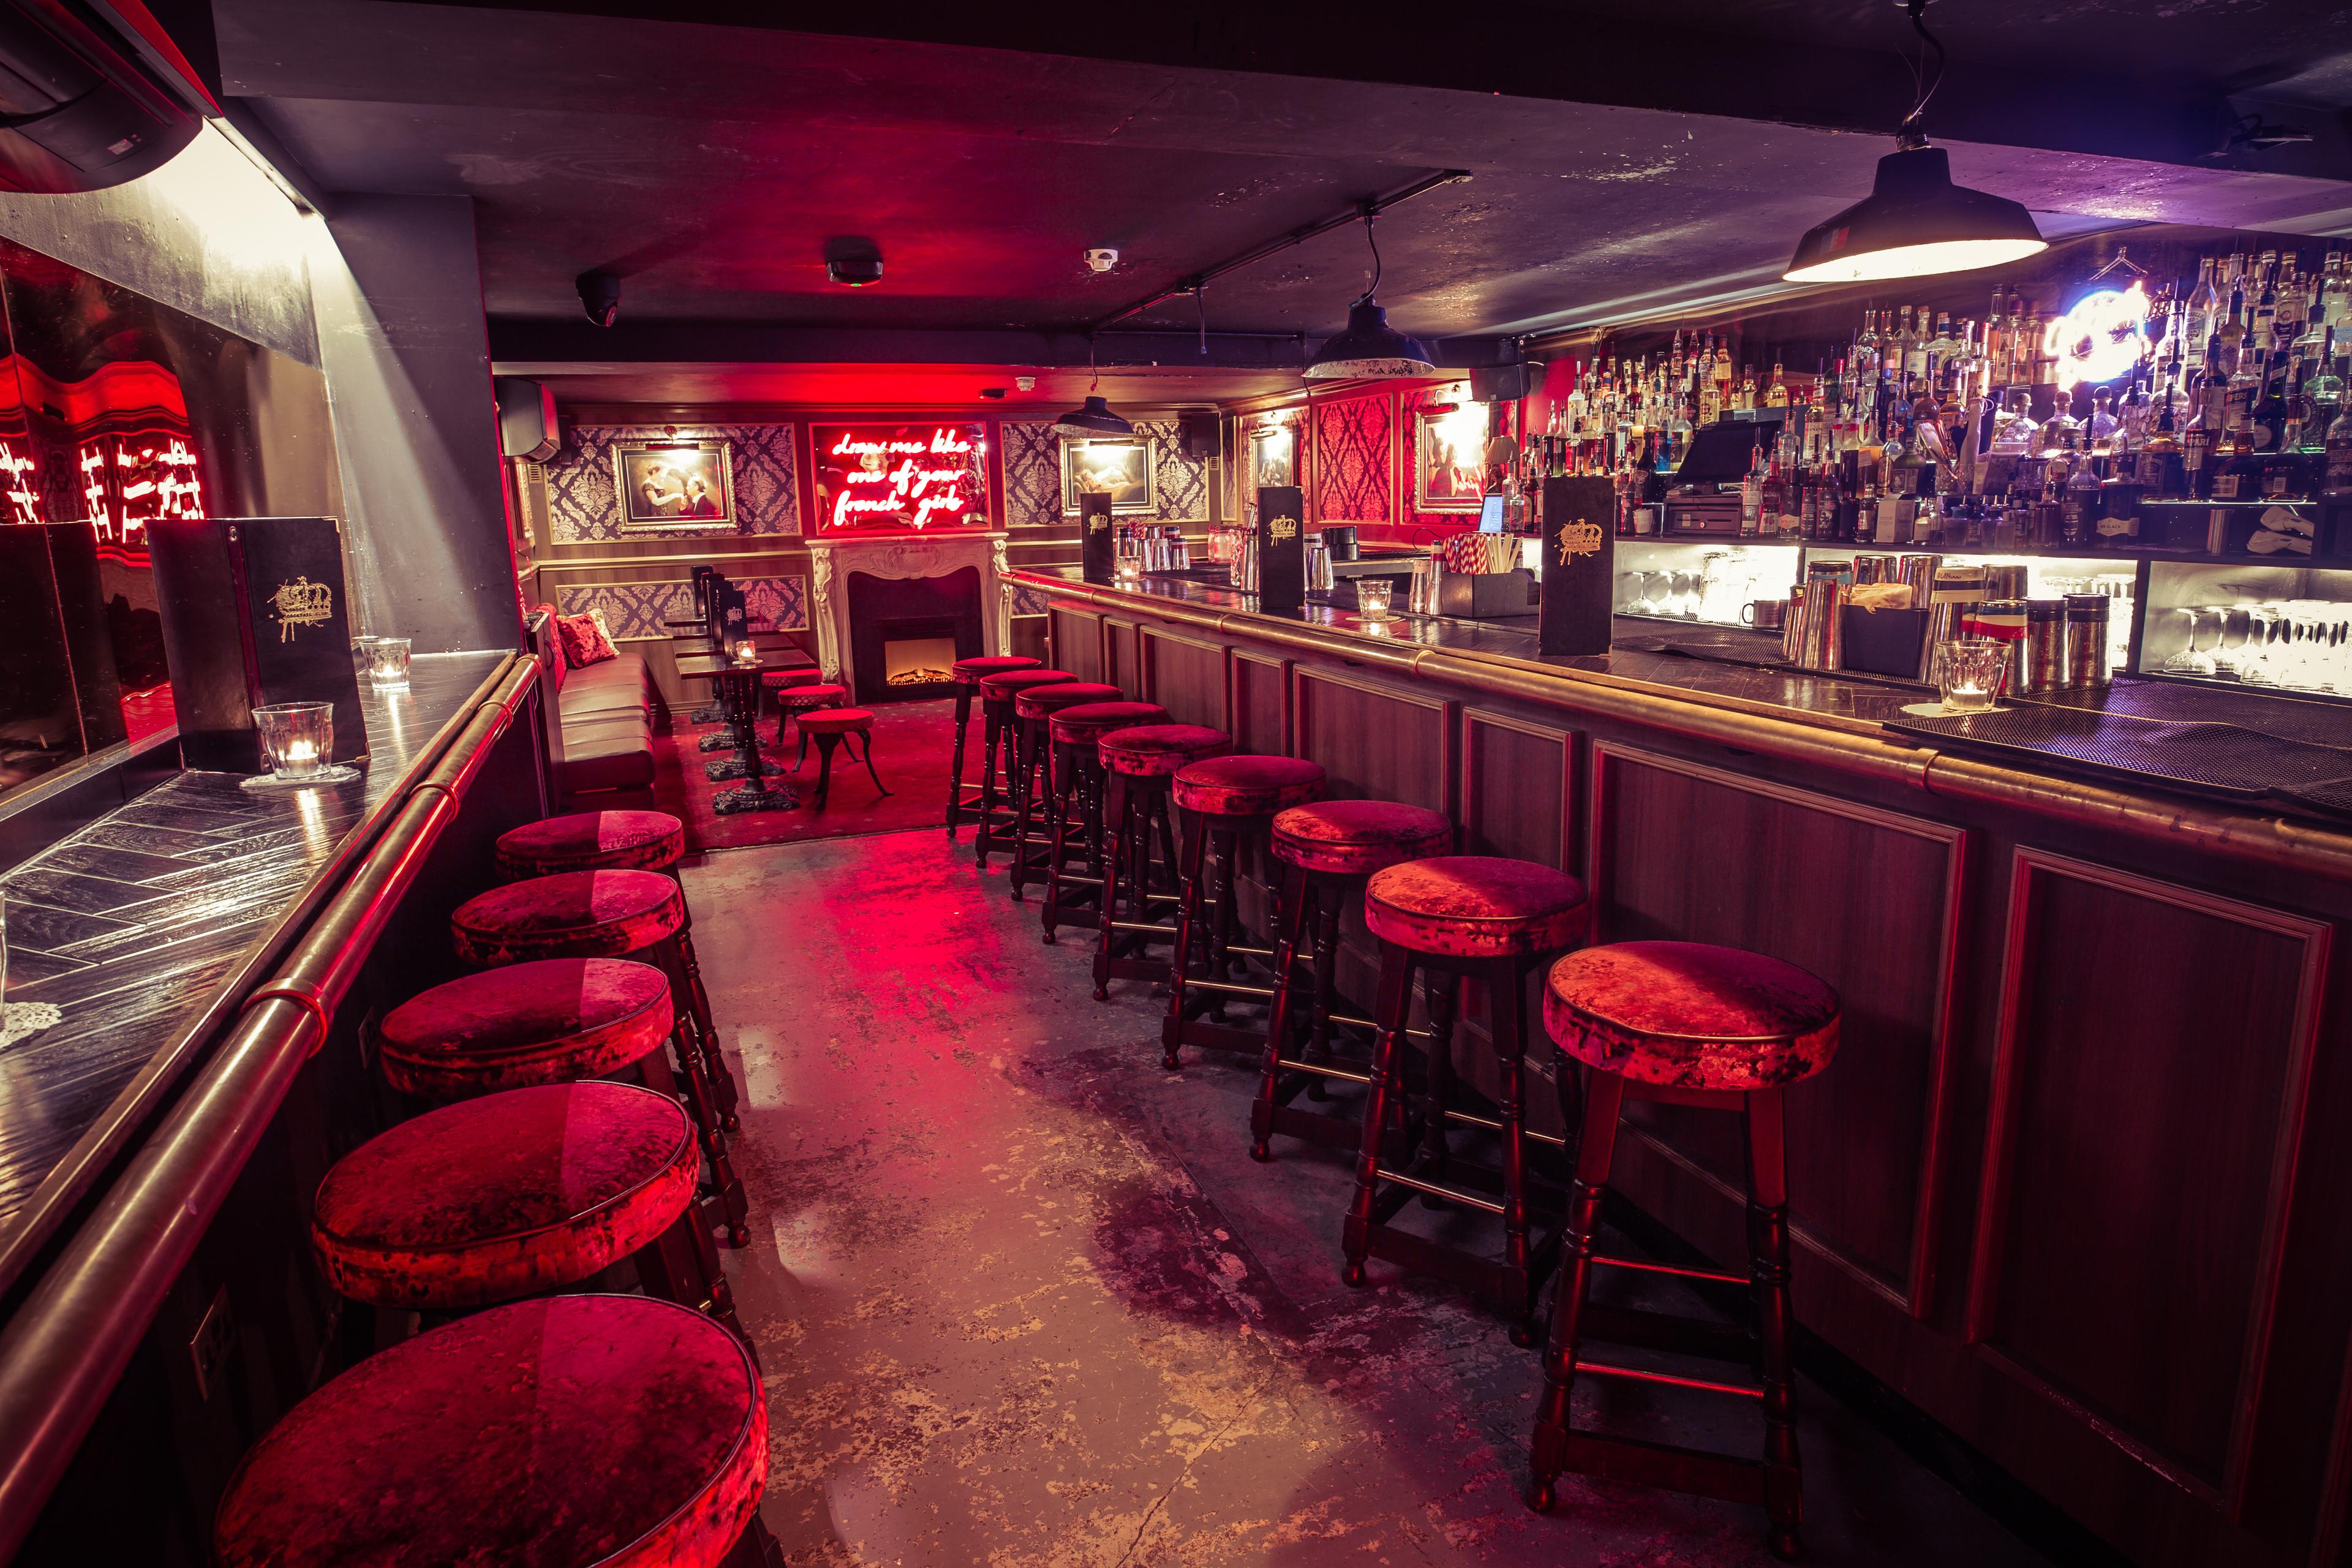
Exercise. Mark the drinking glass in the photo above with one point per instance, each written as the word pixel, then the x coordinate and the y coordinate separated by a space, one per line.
pixel 297 738
pixel 388 661
pixel 1373 595
pixel 1969 673
pixel 2191 659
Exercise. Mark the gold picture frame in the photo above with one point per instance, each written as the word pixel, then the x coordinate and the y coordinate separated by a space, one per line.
pixel 673 485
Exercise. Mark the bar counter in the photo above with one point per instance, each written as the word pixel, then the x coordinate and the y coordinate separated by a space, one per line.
pixel 2067 1187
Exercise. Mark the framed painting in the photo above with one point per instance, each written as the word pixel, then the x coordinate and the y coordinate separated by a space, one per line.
pixel 1273 455
pixel 1121 466
pixel 668 484
pixel 1449 458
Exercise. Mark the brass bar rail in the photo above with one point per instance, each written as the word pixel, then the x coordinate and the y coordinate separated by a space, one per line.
pixel 66 1347
pixel 1847 746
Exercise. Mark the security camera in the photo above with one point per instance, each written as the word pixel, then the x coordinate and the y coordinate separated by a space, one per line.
pixel 1102 258
pixel 600 296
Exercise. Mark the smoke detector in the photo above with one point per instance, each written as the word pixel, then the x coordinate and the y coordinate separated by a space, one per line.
pixel 1102 258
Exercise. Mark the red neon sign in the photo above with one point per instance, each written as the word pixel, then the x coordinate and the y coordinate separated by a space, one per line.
pixel 873 478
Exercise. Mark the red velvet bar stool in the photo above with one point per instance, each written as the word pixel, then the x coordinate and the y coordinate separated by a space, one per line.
pixel 603 914
pixel 1331 848
pixel 1702 1026
pixel 967 673
pixel 552 1020
pixel 831 727
pixel 518 1193
pixel 1458 917
pixel 1033 783
pixel 1076 733
pixel 1139 766
pixel 574 1430
pixel 629 841
pixel 796 702
pixel 1234 799
pixel 1000 753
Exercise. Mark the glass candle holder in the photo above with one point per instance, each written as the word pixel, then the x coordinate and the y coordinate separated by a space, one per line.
pixel 1969 674
pixel 1372 594
pixel 296 740
pixel 363 656
pixel 388 661
pixel 745 653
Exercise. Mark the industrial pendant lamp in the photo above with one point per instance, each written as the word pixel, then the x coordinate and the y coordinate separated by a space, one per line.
pixel 1094 417
pixel 1915 221
pixel 1369 347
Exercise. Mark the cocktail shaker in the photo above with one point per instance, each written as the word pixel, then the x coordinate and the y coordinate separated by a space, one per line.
pixel 2040 666
pixel 2086 643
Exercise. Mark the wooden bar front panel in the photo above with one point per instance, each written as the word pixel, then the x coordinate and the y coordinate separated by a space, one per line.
pixel 1077 642
pixel 1376 741
pixel 1186 676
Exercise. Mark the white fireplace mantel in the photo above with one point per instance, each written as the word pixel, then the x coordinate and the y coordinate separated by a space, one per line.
pixel 900 555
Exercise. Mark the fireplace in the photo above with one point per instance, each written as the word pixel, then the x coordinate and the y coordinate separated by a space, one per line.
pixel 905 631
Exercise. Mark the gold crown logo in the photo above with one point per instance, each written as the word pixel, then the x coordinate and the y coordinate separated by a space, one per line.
pixel 1283 528
pixel 301 602
pixel 1578 538
pixel 1097 520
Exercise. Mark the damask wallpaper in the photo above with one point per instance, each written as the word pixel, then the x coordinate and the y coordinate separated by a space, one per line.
pixel 581 509
pixel 637 612
pixel 1354 464
pixel 1033 473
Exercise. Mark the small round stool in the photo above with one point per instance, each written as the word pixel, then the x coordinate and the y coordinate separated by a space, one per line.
pixel 603 914
pixel 831 727
pixel 1000 751
pixel 1032 784
pixel 552 1020
pixel 1705 1026
pixel 1139 765
pixel 1234 799
pixel 628 841
pixel 1331 847
pixel 1076 773
pixel 1456 917
pixel 611 1431
pixel 966 673
pixel 798 700
pixel 516 1195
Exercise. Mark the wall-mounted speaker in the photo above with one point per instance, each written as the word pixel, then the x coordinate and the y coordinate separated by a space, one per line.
pixel 1500 384
pixel 526 418
pixel 1199 434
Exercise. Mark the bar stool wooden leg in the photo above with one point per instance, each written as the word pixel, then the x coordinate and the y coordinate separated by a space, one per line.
pixel 1024 788
pixel 1441 989
pixel 1595 1152
pixel 1387 1080
pixel 681 1264
pixel 1768 1245
pixel 1299 900
pixel 955 757
pixel 1504 1009
pixel 681 1075
pixel 991 796
pixel 1058 808
pixel 1114 862
pixel 724 1093
pixel 1327 987
pixel 1188 912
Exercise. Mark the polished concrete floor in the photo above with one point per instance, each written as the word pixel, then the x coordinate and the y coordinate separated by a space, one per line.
pixel 1023 1299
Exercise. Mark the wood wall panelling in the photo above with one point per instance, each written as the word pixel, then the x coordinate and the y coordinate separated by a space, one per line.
pixel 1187 676
pixel 1077 642
pixel 2148 1103
pixel 1518 789
pixel 1122 658
pixel 1260 705
pixel 1375 740
pixel 1867 899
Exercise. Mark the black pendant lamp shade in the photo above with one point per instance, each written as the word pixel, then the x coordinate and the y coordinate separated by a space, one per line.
pixel 1369 347
pixel 1914 222
pixel 1094 417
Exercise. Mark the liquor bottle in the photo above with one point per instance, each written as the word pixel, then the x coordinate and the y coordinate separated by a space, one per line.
pixel 2117 526
pixel 2201 317
pixel 2262 315
pixel 2334 293
pixel 2323 398
pixel 1914 346
pixel 2078 506
pixel 2338 472
pixel 1722 373
pixel 1751 495
pixel 2238 402
pixel 2294 302
pixel 2160 459
pixel 2233 332
pixel 1777 394
pixel 1990 350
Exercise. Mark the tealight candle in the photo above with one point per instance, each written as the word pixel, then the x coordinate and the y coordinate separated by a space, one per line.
pixel 297 738
pixel 388 661
pixel 1969 672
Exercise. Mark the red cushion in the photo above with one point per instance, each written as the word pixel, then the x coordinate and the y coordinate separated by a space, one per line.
pixel 1476 906
pixel 592 841
pixel 1691 1015
pixel 968 671
pixel 1001 687
pixel 1045 700
pixel 584 642
pixel 1084 721
pixel 835 721
pixel 504 1196
pixel 576 914
pixel 613 1430
pixel 813 696
pixel 1250 785
pixel 1358 837
pixel 775 679
pixel 1158 751
pixel 551 1021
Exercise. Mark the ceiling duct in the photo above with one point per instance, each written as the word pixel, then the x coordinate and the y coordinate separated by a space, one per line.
pixel 92 95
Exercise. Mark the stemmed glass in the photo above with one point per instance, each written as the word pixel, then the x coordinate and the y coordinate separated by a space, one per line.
pixel 2193 659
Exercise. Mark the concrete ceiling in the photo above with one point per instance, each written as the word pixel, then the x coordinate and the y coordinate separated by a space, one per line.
pixel 1621 156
